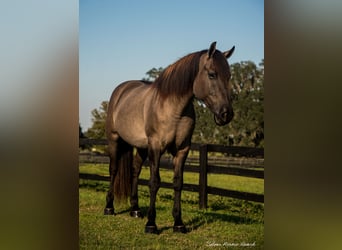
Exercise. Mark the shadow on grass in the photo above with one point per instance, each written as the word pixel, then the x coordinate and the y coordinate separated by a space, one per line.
pixel 206 218
pixel 221 210
pixel 210 217
pixel 202 218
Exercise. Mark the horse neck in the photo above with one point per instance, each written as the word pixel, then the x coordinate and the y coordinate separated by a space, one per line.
pixel 175 105
pixel 178 78
pixel 174 86
pixel 183 101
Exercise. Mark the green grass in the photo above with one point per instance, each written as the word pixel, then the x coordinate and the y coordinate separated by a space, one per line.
pixel 226 224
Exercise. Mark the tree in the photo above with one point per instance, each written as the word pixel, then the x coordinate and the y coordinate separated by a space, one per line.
pixel 248 90
pixel 97 130
pixel 81 135
pixel 152 74
pixel 80 132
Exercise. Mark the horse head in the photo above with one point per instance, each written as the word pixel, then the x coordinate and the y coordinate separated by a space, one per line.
pixel 212 85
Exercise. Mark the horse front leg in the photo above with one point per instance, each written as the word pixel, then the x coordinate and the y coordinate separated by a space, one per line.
pixel 178 163
pixel 139 159
pixel 154 154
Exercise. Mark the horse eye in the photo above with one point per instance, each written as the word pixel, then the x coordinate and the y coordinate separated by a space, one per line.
pixel 211 75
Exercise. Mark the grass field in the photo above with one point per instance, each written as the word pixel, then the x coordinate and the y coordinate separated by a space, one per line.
pixel 226 224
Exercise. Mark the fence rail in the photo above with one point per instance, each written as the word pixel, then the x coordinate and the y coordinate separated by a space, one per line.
pixel 251 158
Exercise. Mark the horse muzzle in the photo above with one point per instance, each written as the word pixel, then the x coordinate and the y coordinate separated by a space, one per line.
pixel 224 117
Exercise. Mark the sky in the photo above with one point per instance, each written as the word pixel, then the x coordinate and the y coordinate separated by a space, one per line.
pixel 122 40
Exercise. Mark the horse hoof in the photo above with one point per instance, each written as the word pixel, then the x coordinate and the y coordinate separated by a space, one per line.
pixel 180 229
pixel 136 214
pixel 109 211
pixel 151 229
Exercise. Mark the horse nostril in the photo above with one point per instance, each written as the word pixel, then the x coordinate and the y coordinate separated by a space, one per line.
pixel 226 115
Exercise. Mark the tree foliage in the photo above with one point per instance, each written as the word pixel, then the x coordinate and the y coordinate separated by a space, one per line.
pixel 80 131
pixel 97 130
pixel 247 126
pixel 152 74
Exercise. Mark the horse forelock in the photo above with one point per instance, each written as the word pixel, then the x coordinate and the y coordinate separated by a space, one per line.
pixel 177 79
pixel 221 65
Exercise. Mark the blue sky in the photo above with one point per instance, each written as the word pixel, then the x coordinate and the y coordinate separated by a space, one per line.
pixel 122 40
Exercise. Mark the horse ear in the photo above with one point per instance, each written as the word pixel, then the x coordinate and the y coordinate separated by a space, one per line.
pixel 228 53
pixel 212 49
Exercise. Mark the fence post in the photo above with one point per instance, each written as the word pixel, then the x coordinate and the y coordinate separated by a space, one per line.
pixel 203 179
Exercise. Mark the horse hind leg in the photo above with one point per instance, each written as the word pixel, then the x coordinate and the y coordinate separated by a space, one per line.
pixel 112 148
pixel 139 159
pixel 121 156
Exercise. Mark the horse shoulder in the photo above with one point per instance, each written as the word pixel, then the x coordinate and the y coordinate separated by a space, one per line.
pixel 186 125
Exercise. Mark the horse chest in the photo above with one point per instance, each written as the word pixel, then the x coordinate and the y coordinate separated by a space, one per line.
pixel 175 131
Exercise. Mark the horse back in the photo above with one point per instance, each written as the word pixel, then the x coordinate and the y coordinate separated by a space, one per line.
pixel 125 112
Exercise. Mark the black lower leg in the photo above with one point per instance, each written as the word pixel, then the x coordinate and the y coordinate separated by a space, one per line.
pixel 112 147
pixel 178 162
pixel 109 209
pixel 139 159
pixel 154 184
pixel 177 213
pixel 151 226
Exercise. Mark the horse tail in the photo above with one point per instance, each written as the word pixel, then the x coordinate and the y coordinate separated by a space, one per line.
pixel 123 178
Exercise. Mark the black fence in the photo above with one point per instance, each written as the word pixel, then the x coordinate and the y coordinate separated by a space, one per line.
pixel 241 161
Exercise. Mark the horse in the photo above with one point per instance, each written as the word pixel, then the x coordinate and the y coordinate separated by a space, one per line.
pixel 155 117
